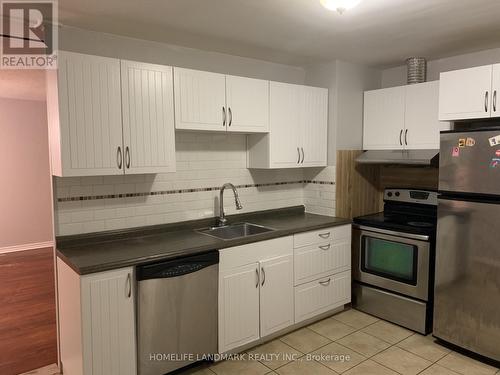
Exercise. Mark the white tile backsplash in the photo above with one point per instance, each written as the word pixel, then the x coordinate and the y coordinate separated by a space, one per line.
pixel 203 161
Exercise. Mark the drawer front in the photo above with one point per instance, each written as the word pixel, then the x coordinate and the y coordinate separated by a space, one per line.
pixel 254 252
pixel 320 260
pixel 319 296
pixel 321 235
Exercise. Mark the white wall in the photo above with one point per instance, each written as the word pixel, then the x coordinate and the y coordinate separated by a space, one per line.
pixel 346 83
pixel 397 76
pixel 352 81
pixel 25 194
pixel 102 44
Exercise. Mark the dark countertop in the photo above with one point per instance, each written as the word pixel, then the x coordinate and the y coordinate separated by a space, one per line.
pixel 96 252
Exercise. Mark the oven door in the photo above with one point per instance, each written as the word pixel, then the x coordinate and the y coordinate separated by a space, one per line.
pixel 393 261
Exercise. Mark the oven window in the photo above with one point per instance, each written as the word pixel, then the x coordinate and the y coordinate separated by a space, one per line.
pixel 390 259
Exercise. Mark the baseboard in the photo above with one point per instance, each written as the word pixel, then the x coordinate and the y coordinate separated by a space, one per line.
pixel 47 370
pixel 30 246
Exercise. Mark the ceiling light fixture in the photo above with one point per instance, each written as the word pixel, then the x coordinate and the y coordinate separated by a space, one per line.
pixel 339 5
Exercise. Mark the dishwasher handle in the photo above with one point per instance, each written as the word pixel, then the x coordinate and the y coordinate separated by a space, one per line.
pixel 177 267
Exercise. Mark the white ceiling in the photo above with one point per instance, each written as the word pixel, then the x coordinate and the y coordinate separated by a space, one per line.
pixel 377 32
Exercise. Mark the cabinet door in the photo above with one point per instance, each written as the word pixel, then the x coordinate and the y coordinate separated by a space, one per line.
pixel 384 119
pixel 285 131
pixel 200 100
pixel 148 118
pixel 247 105
pixel 421 116
pixel 276 294
pixel 465 94
pixel 108 323
pixel 238 306
pixel 495 106
pixel 322 295
pixel 90 115
pixel 314 125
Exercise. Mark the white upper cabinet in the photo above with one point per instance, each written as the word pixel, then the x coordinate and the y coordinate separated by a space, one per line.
pixel 215 102
pixel 285 134
pixel 297 130
pixel 404 117
pixel 495 106
pixel 314 120
pixel 422 125
pixel 466 94
pixel 148 118
pixel 384 119
pixel 200 100
pixel 109 117
pixel 84 114
pixel 247 104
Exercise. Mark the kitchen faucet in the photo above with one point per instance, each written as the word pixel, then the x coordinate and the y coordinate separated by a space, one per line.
pixel 222 217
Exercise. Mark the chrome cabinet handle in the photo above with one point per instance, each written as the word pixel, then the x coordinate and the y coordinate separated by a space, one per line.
pixel 230 116
pixel 486 101
pixel 263 276
pixel 128 283
pixel 495 101
pixel 257 274
pixel 119 159
pixel 298 152
pixel 303 155
pixel 223 116
pixel 400 135
pixel 127 157
pixel 324 235
pixel 326 282
pixel 325 247
pixel 406 137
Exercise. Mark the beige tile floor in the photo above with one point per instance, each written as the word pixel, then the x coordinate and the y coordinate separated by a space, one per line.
pixel 351 343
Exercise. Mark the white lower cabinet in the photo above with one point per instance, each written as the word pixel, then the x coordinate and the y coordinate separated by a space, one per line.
pixel 276 294
pixel 238 306
pixel 266 287
pixel 322 271
pixel 97 322
pixel 319 296
pixel 255 291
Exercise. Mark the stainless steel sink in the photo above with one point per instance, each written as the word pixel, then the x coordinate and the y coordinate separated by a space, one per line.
pixel 230 232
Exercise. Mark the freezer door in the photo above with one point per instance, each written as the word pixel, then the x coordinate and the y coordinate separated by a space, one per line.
pixel 467 289
pixel 469 162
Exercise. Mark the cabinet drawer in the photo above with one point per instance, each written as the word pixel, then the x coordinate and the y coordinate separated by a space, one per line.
pixel 321 235
pixel 322 259
pixel 319 296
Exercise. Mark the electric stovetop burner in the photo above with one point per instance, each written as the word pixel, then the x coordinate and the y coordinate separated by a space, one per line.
pixel 405 210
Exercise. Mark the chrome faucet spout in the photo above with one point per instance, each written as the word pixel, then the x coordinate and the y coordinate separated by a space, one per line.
pixel 222 217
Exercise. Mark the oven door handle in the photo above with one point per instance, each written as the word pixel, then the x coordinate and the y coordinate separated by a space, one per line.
pixel 412 236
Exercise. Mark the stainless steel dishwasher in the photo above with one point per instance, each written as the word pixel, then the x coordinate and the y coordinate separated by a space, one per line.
pixel 177 312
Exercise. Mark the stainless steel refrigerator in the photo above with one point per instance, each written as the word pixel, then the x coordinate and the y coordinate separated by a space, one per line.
pixel 467 288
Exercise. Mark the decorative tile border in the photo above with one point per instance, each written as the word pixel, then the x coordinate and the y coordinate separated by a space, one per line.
pixel 183 191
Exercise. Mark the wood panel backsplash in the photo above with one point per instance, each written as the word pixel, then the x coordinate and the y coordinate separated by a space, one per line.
pixel 357 186
pixel 360 187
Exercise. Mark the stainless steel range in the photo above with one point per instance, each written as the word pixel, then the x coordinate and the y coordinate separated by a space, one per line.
pixel 393 259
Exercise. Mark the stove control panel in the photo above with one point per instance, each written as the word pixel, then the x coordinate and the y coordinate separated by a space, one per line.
pixel 428 197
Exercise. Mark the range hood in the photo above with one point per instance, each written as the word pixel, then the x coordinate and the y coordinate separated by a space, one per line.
pixel 406 157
